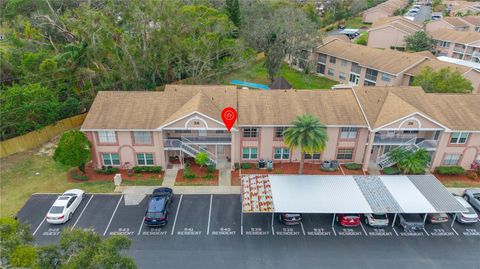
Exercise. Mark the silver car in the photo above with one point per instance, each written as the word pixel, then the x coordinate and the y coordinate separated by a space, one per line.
pixel 467 217
pixel 412 222
pixel 472 196
pixel 376 220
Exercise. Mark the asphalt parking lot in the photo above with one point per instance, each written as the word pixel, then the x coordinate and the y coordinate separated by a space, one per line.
pixel 204 223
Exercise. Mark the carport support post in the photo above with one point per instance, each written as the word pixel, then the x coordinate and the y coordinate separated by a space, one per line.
pixel 453 219
pixel 394 219
pixel 333 220
pixel 425 219
pixel 273 213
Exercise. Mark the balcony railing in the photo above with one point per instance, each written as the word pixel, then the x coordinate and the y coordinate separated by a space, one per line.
pixel 204 139
pixel 459 49
pixel 429 145
pixel 399 139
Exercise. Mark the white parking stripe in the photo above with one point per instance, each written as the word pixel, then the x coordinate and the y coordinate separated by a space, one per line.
pixel 39 225
pixel 395 231
pixel 209 214
pixel 426 232
pixel 141 226
pixel 454 231
pixel 81 213
pixel 334 232
pixel 365 232
pixel 303 230
pixel 176 214
pixel 113 214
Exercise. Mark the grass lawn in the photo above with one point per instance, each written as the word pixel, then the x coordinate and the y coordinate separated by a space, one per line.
pixel 461 184
pixel 257 73
pixel 18 180
pixel 152 181
pixel 356 23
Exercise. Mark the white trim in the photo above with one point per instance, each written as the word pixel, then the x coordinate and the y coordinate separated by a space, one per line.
pixel 331 126
pixel 410 115
pixel 188 115
pixel 412 129
pixel 408 119
pixel 361 109
pixel 119 130
pixel 196 118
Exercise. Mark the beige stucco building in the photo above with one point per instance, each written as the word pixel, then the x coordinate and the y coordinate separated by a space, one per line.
pixel 468 24
pixel 383 10
pixel 457 44
pixel 362 123
pixel 391 32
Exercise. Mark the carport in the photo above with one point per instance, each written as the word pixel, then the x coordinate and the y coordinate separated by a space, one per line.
pixel 336 194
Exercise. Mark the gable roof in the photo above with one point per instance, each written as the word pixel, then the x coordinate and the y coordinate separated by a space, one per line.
pixel 397 19
pixel 473 20
pixel 455 21
pixel 436 65
pixel 450 35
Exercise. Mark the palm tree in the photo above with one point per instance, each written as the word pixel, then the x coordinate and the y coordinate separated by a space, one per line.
pixel 306 134
pixel 410 162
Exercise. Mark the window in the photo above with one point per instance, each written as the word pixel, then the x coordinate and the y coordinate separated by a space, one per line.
pixel 182 131
pixel 249 153
pixel 314 156
pixel 110 159
pixel 386 77
pixel 250 132
pixel 344 63
pixel 369 83
pixel 477 29
pixel 371 75
pixel 331 72
pixel 145 159
pixel 355 68
pixel 142 137
pixel 410 132
pixel 458 138
pixel 279 132
pixel 320 68
pixel 451 159
pixel 342 76
pixel 444 44
pixel 322 58
pixel 220 131
pixel 345 154
pixel 348 133
pixel 281 154
pixel 107 137
pixel 333 60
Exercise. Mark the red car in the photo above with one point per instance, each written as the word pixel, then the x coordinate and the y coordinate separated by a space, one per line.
pixel 348 220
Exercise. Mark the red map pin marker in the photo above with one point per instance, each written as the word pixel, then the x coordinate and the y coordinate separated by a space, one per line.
pixel 229 116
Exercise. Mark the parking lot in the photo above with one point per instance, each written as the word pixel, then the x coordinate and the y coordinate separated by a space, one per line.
pixel 207 215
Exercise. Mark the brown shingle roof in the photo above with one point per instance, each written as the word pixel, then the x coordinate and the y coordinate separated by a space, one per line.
pixel 437 65
pixel 455 21
pixel 390 61
pixel 473 20
pixel 397 19
pixel 383 105
pixel 455 36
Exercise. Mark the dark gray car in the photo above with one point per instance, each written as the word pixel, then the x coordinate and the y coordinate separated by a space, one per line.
pixel 412 222
pixel 472 196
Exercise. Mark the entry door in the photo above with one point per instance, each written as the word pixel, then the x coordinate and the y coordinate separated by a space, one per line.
pixel 354 78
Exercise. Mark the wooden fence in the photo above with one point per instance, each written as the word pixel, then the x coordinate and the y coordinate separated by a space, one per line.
pixel 37 138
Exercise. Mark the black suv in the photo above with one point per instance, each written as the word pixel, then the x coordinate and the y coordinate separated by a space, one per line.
pixel 158 207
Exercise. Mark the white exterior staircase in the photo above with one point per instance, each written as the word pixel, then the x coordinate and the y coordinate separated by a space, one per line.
pixel 189 148
pixel 385 160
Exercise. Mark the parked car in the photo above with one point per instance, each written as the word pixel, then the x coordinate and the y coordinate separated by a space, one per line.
pixel 468 217
pixel 348 220
pixel 63 208
pixel 290 218
pixel 437 218
pixel 472 196
pixel 376 220
pixel 158 207
pixel 412 222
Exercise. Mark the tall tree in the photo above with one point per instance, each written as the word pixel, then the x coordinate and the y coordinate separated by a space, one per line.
pixel 14 236
pixel 233 10
pixel 73 149
pixel 308 135
pixel 420 41
pixel 443 81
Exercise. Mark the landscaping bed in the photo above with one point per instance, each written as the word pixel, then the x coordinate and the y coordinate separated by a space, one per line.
pixel 202 177
pixel 457 181
pixel 348 171
pixel 93 175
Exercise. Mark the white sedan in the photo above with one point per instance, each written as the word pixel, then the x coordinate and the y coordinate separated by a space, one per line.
pixel 63 208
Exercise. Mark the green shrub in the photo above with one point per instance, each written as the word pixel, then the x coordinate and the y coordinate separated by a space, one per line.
pixel 209 176
pixel 211 168
pixel 147 169
pixel 189 175
pixel 353 166
pixel 391 171
pixel 107 170
pixel 450 170
pixel 277 172
pixel 246 165
pixel 76 176
pixel 236 166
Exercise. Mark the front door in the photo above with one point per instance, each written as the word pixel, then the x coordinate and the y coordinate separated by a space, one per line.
pixel 354 78
pixel 220 150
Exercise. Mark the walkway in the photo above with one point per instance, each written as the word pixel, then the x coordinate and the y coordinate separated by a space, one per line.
pixel 170 177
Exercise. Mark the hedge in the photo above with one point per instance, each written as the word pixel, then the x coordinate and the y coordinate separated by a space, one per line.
pixel 353 166
pixel 450 170
pixel 107 170
pixel 246 165
pixel 328 169
pixel 76 176
pixel 391 171
pixel 147 169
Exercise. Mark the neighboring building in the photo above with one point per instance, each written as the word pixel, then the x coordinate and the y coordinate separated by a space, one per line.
pixel 457 44
pixel 383 10
pixel 361 65
pixel 469 24
pixel 458 8
pixel 391 32
pixel 363 124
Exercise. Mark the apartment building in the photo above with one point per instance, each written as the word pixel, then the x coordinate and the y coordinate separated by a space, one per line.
pixel 354 64
pixel 460 8
pixel 468 24
pixel 391 32
pixel 383 10
pixel 457 44
pixel 363 124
